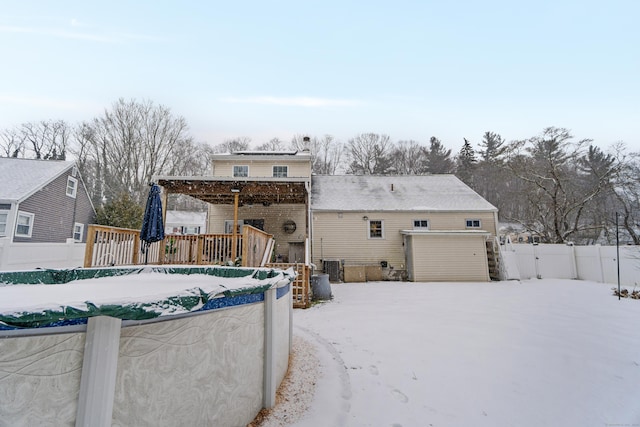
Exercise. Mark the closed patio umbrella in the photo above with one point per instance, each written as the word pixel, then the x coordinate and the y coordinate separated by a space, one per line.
pixel 152 224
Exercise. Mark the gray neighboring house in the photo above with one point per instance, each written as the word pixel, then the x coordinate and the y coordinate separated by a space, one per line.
pixel 43 201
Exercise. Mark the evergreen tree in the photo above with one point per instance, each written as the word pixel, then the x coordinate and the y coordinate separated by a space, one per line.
pixel 438 158
pixel 466 163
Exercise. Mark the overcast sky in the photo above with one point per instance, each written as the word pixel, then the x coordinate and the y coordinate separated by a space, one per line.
pixel 264 69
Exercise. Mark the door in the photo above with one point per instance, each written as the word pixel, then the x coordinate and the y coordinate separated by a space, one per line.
pixel 296 252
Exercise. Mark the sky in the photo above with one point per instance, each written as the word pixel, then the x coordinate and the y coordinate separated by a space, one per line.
pixel 263 70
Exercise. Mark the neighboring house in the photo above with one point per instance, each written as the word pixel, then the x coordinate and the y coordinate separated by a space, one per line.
pixel 43 201
pixel 185 222
pixel 425 228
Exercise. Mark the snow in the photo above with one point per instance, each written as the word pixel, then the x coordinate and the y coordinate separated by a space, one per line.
pixel 532 353
pixel 147 286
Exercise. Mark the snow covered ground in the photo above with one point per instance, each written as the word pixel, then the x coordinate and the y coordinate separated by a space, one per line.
pixel 530 353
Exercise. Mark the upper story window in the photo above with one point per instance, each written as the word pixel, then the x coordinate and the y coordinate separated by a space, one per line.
pixel 376 229
pixel 72 186
pixel 241 171
pixel 280 171
pixel 473 223
pixel 420 224
pixel 24 226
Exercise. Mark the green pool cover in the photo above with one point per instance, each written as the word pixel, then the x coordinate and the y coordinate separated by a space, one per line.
pixel 189 300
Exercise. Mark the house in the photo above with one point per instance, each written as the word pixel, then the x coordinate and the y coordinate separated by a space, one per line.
pixel 43 201
pixel 273 191
pixel 185 222
pixel 356 228
pixel 424 228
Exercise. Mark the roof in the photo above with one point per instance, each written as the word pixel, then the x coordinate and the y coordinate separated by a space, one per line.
pixel 394 193
pixel 295 156
pixel 222 190
pixel 22 177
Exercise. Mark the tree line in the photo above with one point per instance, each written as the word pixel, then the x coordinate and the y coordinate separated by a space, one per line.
pixel 549 185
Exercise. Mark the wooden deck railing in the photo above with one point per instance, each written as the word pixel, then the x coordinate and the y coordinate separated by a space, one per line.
pixel 112 246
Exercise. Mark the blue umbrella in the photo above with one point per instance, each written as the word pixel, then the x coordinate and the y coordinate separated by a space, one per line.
pixel 152 224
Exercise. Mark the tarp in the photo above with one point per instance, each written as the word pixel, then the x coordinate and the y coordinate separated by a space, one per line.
pixel 189 300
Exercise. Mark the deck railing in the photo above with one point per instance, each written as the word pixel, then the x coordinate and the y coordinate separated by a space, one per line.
pixel 112 246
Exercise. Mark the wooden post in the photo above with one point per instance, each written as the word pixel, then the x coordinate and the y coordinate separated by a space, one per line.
pixel 234 238
pixel 88 250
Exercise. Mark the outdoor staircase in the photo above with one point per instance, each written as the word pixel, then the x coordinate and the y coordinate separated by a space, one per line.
pixel 493 258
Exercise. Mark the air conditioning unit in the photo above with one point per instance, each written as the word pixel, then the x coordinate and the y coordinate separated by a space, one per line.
pixel 332 268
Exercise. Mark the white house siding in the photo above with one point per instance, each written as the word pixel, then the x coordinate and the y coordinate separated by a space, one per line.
pixel 449 258
pixel 262 168
pixel 274 216
pixel 344 235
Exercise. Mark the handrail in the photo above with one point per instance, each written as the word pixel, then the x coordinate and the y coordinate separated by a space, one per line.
pixel 109 246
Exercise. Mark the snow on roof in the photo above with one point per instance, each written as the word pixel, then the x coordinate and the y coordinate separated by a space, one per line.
pixel 22 177
pixel 394 193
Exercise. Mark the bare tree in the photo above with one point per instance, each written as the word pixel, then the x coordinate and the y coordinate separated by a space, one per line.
pixel 326 152
pixel 47 139
pixel 369 154
pixel 127 146
pixel 240 143
pixel 274 144
pixel 556 194
pixel 408 158
pixel 12 143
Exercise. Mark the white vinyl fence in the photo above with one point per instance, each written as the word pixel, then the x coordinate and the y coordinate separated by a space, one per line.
pixel 27 256
pixel 596 263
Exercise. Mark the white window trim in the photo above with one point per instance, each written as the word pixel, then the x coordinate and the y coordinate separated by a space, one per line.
pixel 233 171
pixel 421 228
pixel 75 187
pixel 31 220
pixel 273 171
pixel 81 225
pixel 466 221
pixel 369 229
pixel 6 224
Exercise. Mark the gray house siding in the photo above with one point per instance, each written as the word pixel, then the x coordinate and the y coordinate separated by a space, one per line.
pixel 55 213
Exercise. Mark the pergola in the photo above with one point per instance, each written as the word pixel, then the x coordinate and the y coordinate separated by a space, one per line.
pixel 238 192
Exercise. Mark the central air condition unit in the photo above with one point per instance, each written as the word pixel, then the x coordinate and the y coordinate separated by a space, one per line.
pixel 332 268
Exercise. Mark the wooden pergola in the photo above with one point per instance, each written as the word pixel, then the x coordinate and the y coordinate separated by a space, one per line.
pixel 238 192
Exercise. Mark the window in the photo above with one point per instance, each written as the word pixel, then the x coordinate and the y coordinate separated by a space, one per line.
pixel 420 224
pixel 24 226
pixel 78 232
pixel 473 223
pixel 241 171
pixel 280 171
pixel 4 215
pixel 376 229
pixel 72 186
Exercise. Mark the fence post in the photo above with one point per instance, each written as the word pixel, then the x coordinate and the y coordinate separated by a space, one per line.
pixel 270 387
pixel 599 253
pixel 88 250
pixel 99 368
